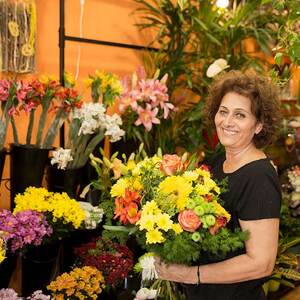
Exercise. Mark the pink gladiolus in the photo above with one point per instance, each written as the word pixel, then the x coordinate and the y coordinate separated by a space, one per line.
pixel 147 117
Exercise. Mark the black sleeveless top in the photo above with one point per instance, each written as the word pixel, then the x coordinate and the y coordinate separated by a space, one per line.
pixel 253 193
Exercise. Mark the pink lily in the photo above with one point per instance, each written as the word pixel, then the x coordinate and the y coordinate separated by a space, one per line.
pixel 147 117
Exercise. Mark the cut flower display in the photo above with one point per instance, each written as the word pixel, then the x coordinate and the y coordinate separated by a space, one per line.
pixel 23 228
pixel 112 259
pixel 62 213
pixel 81 283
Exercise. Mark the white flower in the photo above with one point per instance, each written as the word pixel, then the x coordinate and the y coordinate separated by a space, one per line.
pixel 145 293
pixel 112 127
pixel 216 67
pixel 93 215
pixel 61 157
pixel 148 267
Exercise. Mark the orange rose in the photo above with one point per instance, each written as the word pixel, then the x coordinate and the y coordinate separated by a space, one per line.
pixel 188 220
pixel 171 164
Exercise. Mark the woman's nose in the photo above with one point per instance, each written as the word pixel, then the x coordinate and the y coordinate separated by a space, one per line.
pixel 228 120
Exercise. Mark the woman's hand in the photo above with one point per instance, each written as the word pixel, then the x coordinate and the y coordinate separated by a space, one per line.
pixel 176 272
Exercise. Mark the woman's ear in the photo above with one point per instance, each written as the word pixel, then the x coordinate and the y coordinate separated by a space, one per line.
pixel 258 128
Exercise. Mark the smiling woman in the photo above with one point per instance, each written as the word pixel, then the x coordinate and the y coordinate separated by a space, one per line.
pixel 244 109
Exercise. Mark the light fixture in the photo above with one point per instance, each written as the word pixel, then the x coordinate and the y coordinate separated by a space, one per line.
pixel 222 3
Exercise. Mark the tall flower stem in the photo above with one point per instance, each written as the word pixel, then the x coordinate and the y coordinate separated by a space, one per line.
pixel 30 127
pixel 15 132
pixel 55 125
pixel 3 131
pixel 42 122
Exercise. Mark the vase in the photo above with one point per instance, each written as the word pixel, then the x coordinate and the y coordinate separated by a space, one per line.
pixel 3 153
pixel 68 181
pixel 40 265
pixel 27 167
pixel 7 268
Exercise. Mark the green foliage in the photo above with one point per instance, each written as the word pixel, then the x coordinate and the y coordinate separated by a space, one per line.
pixel 190 36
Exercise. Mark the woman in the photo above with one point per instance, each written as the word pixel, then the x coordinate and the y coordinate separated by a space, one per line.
pixel 246 114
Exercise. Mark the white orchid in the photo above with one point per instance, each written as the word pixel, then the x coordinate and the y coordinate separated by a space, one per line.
pixel 61 157
pixel 216 67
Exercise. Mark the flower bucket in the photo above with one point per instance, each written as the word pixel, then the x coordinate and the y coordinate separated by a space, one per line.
pixel 27 167
pixel 64 180
pixel 40 265
pixel 2 161
pixel 7 268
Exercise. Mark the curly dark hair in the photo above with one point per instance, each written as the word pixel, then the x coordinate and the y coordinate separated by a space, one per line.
pixel 265 104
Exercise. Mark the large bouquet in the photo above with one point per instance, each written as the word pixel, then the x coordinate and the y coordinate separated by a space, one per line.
pixel 62 213
pixel 112 259
pixel 81 283
pixel 174 209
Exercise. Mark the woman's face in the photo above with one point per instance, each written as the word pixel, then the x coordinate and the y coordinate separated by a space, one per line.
pixel 235 122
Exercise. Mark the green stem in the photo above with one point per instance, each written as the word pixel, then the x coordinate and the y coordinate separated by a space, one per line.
pixel 55 125
pixel 15 132
pixel 3 131
pixel 30 127
pixel 42 123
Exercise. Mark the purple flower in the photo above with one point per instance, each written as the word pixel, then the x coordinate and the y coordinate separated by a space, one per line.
pixel 27 227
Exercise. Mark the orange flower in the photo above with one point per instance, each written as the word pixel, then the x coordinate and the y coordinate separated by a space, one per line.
pixel 188 220
pixel 171 164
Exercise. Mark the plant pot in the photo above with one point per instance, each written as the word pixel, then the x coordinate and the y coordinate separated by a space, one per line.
pixel 7 268
pixel 27 167
pixel 40 265
pixel 3 153
pixel 64 180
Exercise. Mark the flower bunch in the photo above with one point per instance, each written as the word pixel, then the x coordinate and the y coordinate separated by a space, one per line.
pixel 81 283
pixel 174 208
pixel 112 259
pixel 294 196
pixel 27 227
pixel 93 215
pixel 88 126
pixel 62 212
pixel 10 294
pixel 2 249
pixel 146 98
pixel 106 86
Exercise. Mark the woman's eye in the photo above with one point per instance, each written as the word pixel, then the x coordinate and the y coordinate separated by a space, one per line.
pixel 240 115
pixel 222 112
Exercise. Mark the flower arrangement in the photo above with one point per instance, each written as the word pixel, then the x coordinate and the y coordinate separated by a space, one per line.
pixel 93 215
pixel 27 227
pixel 174 208
pixel 88 126
pixel 112 259
pixel 144 104
pixel 294 196
pixel 62 213
pixel 2 249
pixel 81 283
pixel 10 294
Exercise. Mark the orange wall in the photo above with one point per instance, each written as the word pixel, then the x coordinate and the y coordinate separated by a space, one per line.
pixel 108 20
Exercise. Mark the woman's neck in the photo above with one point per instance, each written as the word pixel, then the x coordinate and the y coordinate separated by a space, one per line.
pixel 236 158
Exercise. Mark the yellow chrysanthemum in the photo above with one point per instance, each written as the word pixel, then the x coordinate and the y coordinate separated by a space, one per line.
pixel 209 183
pixel 221 211
pixel 164 222
pixel 178 187
pixel 203 173
pixel 136 183
pixel 190 175
pixel 150 208
pixel 131 165
pixel 177 228
pixel 146 222
pixel 202 189
pixel 118 189
pixel 154 237
pixel 2 250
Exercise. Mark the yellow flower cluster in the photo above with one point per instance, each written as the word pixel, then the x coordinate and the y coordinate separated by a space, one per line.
pixel 118 189
pixel 60 206
pixel 154 221
pixel 221 211
pixel 108 81
pixel 81 283
pixel 2 250
pixel 177 189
